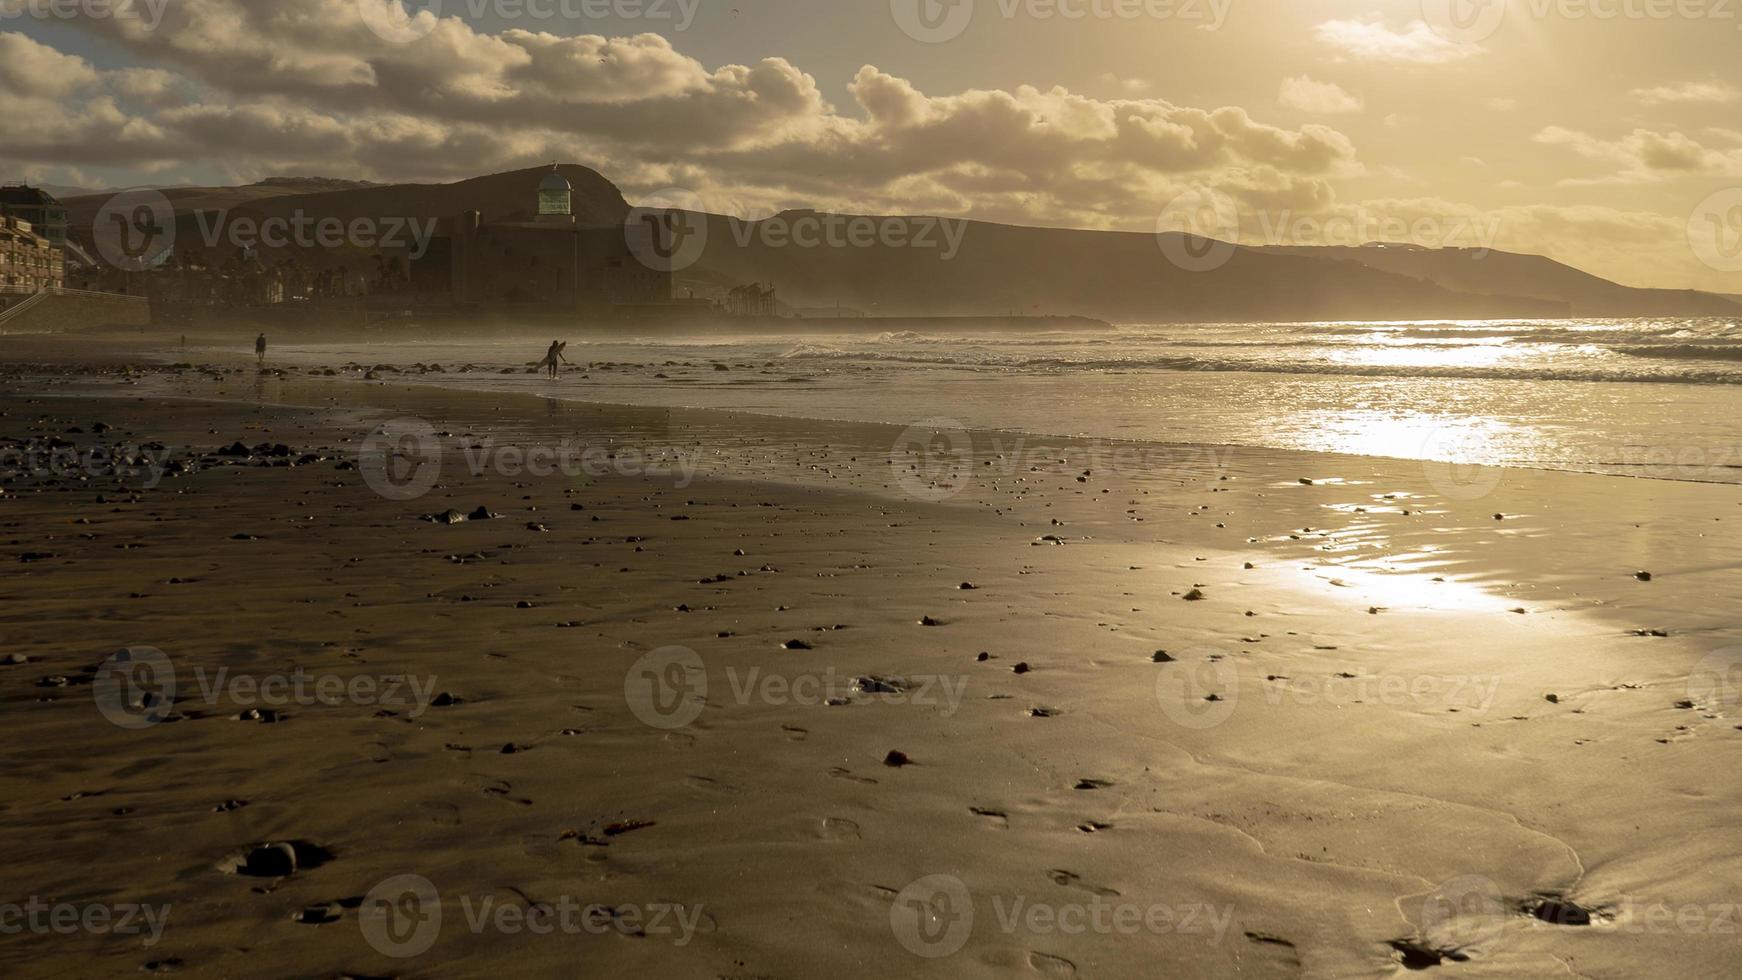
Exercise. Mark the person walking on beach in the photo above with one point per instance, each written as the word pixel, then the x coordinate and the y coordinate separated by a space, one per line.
pixel 260 349
pixel 553 356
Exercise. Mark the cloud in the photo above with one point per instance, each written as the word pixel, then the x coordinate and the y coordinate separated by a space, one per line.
pixel 1644 156
pixel 1706 93
pixel 1322 98
pixel 302 86
pixel 1372 40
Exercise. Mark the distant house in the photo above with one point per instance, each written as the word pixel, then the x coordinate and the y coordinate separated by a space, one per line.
pixel 29 262
pixel 45 214
pixel 751 300
pixel 545 260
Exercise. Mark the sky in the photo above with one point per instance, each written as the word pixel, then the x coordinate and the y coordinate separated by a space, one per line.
pixel 1603 133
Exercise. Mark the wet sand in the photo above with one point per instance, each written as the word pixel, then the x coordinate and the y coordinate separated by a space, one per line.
pixel 1202 711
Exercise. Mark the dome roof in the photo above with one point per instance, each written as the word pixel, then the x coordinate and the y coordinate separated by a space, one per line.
pixel 554 181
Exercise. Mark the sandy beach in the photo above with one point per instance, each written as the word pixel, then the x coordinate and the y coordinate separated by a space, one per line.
pixel 701 694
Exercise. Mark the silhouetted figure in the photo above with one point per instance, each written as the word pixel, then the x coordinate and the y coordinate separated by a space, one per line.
pixel 553 356
pixel 260 349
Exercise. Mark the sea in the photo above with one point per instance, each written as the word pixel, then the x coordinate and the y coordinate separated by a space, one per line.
pixel 1655 398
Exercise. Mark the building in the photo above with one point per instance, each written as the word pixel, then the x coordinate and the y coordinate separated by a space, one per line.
pixel 38 207
pixel 29 262
pixel 752 300
pixel 545 261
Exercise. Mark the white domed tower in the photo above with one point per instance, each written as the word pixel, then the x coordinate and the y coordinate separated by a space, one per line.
pixel 555 198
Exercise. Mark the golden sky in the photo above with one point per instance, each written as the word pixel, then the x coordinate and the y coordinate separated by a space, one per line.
pixel 1605 133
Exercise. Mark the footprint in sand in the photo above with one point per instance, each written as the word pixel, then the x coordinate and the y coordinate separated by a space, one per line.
pixel 1070 879
pixel 1048 965
pixel 998 816
pixel 838 828
pixel 840 773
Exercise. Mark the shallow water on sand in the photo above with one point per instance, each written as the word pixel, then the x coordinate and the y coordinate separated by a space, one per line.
pixel 1644 398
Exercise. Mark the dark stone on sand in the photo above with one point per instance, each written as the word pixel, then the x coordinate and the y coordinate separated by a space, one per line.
pixel 1685 705
pixel 274 860
pixel 1161 657
pixel 1552 698
pixel 1020 668
pixel 795 645
pixel 982 657
pixel 967 586
pixel 895 759
pixel 482 514
pixel 1195 595
pixel 235 449
pixel 1559 911
pixel 1642 576
pixel 444 700
pixel 928 621
pixel 265 716
pixel 1415 955
pixel 523 604
pixel 447 517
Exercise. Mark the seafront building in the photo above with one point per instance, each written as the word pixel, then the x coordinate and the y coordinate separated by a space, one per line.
pixel 46 214
pixel 29 262
pixel 546 260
